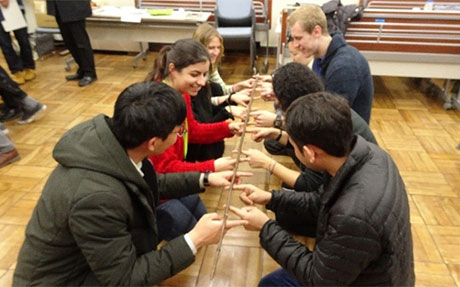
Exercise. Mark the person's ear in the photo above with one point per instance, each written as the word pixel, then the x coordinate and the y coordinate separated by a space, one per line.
pixel 317 31
pixel 151 144
pixel 171 68
pixel 309 153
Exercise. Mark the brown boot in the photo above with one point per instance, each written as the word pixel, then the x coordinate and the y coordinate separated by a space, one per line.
pixel 9 157
pixel 18 77
pixel 29 74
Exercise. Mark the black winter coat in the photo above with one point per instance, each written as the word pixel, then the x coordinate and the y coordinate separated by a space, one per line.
pixel 363 234
pixel 95 221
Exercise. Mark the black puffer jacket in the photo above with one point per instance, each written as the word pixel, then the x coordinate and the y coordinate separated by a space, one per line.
pixel 363 235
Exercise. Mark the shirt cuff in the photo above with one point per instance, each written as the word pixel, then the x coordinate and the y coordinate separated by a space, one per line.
pixel 202 181
pixel 190 243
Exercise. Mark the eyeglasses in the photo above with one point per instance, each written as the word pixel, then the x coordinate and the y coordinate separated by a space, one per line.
pixel 182 131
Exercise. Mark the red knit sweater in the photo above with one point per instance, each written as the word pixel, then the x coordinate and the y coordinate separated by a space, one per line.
pixel 172 160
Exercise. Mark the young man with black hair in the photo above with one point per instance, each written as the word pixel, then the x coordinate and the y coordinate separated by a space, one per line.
pixel 363 234
pixel 95 223
pixel 291 82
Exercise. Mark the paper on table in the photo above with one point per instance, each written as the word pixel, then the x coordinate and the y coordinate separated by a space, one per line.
pixel 132 18
pixel 131 14
pixel 13 17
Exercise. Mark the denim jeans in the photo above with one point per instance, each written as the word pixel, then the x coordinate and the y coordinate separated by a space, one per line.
pixel 178 216
pixel 5 144
pixel 16 63
pixel 279 278
pixel 12 95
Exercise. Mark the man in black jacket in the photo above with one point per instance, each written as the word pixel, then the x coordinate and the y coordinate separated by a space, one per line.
pixel 95 222
pixel 363 234
pixel 70 17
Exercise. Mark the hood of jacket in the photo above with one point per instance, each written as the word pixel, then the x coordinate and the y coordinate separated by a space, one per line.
pixel 92 146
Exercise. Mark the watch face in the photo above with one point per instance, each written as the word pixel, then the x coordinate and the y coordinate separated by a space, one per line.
pixel 278 121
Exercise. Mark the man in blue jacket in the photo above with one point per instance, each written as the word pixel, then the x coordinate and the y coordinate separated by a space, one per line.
pixel 344 69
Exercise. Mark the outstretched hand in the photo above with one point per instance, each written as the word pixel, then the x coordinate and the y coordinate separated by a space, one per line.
pixel 256 158
pixel 251 194
pixel 207 230
pixel 255 217
pixel 236 128
pixel 224 178
pixel 259 134
pixel 263 118
pixel 224 163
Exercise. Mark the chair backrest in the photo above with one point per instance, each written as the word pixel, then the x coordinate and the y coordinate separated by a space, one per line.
pixel 234 13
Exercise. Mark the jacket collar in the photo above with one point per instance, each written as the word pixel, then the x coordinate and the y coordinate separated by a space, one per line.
pixel 134 182
pixel 357 157
pixel 336 43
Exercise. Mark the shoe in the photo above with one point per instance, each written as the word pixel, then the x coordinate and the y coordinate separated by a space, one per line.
pixel 29 74
pixel 33 115
pixel 9 157
pixel 18 77
pixel 4 129
pixel 86 81
pixel 10 114
pixel 74 77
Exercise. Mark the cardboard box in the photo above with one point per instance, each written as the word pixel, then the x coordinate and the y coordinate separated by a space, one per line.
pixel 43 20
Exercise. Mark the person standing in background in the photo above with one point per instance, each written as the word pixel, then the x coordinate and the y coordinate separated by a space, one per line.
pixel 22 67
pixel 70 17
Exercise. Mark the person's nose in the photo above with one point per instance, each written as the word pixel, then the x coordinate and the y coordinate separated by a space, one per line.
pixel 202 80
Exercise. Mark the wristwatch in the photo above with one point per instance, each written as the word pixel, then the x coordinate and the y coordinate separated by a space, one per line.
pixel 206 178
pixel 278 121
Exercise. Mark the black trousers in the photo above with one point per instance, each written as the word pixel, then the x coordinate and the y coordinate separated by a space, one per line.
pixel 10 92
pixel 77 41
pixel 16 63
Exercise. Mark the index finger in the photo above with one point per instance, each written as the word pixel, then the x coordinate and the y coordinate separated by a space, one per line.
pixel 243 173
pixel 236 211
pixel 241 186
pixel 252 130
pixel 234 223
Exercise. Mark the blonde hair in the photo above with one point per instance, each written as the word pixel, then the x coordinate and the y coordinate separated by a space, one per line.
pixel 204 34
pixel 308 16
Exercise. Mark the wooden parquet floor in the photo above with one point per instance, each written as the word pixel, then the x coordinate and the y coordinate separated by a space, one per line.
pixel 412 127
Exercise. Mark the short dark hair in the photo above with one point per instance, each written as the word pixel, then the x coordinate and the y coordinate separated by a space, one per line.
pixel 182 53
pixel 292 81
pixel 321 119
pixel 146 110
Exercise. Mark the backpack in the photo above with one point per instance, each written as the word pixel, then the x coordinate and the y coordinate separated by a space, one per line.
pixel 339 16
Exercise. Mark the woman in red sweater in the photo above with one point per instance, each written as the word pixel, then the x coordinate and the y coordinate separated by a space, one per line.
pixel 184 66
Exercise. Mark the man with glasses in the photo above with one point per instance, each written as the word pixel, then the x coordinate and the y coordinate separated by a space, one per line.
pixel 95 222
